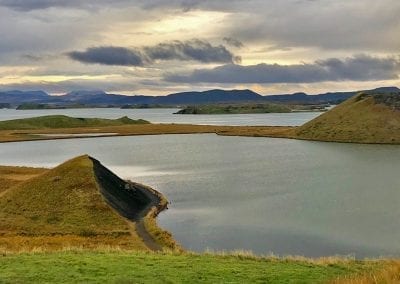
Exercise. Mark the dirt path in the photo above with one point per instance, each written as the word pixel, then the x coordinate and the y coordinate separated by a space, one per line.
pixel 141 231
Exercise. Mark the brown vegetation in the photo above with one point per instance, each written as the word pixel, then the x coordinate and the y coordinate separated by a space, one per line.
pixel 61 207
pixel 361 119
pixel 389 273
pixel 147 129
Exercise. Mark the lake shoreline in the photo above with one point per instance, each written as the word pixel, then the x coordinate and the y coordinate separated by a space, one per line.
pixel 284 132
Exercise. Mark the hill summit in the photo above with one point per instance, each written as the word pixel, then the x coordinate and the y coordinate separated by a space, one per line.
pixel 79 203
pixel 368 117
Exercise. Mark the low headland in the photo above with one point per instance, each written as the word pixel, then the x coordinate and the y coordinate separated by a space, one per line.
pixel 79 203
pixel 254 108
pixel 235 109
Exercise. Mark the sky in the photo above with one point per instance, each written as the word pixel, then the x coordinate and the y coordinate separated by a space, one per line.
pixel 158 47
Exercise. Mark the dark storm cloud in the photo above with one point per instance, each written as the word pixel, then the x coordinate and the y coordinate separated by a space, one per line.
pixel 357 68
pixel 233 42
pixel 195 49
pixel 109 55
pixel 28 5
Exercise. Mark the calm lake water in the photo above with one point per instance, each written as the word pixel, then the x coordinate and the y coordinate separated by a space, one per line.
pixel 167 116
pixel 261 194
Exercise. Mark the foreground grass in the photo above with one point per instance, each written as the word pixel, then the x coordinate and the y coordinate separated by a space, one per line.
pixel 140 267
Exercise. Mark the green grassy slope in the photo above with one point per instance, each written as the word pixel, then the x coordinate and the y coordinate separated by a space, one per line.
pixel 60 206
pixel 62 121
pixel 124 267
pixel 10 176
pixel 365 118
pixel 235 109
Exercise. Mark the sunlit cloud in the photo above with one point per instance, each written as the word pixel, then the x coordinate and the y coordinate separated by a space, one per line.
pixel 149 46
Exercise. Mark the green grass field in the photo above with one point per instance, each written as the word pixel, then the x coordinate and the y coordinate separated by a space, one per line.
pixel 140 267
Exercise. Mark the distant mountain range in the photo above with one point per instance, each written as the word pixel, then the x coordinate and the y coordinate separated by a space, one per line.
pixel 100 98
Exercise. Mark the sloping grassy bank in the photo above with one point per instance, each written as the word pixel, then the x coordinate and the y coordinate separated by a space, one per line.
pixel 139 267
pixel 79 203
pixel 365 118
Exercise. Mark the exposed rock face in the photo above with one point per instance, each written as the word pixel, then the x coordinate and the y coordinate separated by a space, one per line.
pixel 129 199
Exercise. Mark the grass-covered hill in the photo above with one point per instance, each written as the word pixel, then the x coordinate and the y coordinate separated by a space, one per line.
pixel 79 203
pixel 369 117
pixel 235 109
pixel 62 121
pixel 11 176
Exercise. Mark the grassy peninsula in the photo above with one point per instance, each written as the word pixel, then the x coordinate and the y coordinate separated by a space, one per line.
pixel 79 203
pixel 63 121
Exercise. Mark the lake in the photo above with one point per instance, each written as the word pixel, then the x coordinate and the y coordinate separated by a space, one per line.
pixel 283 196
pixel 167 116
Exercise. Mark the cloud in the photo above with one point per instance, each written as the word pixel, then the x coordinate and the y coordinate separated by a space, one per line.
pixel 109 55
pixel 233 42
pixel 195 49
pixel 357 68
pixel 29 5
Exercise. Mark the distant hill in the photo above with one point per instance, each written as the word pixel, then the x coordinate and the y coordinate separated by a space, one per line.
pixel 211 96
pixel 368 117
pixel 79 203
pixel 303 98
pixel 101 98
pixel 206 97
pixel 18 97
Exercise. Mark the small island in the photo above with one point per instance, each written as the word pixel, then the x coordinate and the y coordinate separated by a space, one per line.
pixel 235 109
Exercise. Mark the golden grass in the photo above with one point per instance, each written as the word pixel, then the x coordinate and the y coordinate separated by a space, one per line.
pixel 149 129
pixel 358 120
pixel 11 176
pixel 387 274
pixel 162 237
pixel 22 244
